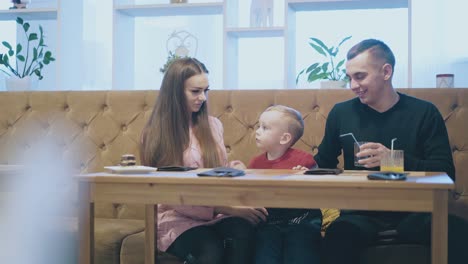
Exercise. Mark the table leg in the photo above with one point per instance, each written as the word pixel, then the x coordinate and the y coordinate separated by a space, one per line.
pixel 149 234
pixel 440 227
pixel 85 225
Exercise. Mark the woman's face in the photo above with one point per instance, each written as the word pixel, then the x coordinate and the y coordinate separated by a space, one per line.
pixel 196 91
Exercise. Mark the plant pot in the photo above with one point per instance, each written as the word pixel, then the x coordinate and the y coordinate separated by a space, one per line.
pixel 332 84
pixel 20 84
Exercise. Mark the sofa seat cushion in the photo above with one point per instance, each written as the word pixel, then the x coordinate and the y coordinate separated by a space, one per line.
pixel 400 253
pixel 109 234
pixel 133 251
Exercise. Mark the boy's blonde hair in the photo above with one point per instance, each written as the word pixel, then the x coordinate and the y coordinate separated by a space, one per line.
pixel 294 119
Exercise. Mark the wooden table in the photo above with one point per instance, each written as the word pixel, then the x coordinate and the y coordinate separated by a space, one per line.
pixel 421 192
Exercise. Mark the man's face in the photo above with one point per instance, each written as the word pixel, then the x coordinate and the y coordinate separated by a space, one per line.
pixel 196 88
pixel 272 127
pixel 367 78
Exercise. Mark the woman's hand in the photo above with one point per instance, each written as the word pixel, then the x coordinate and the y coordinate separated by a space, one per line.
pixel 237 164
pixel 251 214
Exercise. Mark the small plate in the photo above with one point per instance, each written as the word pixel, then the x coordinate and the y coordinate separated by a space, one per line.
pixel 130 169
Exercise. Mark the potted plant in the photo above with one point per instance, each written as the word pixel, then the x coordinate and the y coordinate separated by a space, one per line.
pixel 29 60
pixel 170 58
pixel 332 70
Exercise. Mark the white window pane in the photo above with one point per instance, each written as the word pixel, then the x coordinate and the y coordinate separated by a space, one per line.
pixel 388 25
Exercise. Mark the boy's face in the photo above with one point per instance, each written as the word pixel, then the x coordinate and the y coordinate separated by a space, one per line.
pixel 272 128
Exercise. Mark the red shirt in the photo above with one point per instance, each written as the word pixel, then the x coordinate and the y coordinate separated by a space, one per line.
pixel 292 157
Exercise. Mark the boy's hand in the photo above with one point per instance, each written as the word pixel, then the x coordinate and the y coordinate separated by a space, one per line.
pixel 251 214
pixel 299 167
pixel 237 164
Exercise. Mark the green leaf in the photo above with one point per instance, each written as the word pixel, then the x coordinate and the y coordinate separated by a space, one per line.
pixel 6 44
pixel 338 66
pixel 325 66
pixel 19 48
pixel 312 67
pixel 320 76
pixel 34 53
pixel 344 40
pixel 5 60
pixel 38 74
pixel 318 49
pixel 313 74
pixel 297 77
pixel 11 53
pixel 26 27
pixel 20 58
pixel 48 54
pixel 333 51
pixel 1 59
pixel 19 20
pixel 32 36
pixel 320 43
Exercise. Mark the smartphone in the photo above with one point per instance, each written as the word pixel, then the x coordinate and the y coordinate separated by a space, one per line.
pixel 387 176
pixel 175 168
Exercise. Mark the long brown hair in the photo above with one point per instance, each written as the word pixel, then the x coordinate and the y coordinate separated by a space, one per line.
pixel 166 136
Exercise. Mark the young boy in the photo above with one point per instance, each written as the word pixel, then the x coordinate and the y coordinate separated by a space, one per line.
pixel 288 235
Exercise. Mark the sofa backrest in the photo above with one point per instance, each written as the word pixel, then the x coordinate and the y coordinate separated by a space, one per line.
pixel 94 128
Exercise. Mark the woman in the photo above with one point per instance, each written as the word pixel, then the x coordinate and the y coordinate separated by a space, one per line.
pixel 180 132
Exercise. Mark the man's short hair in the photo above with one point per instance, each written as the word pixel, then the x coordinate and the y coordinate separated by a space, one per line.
pixel 294 119
pixel 377 48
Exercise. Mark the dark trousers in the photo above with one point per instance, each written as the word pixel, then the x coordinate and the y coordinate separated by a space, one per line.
pixel 226 242
pixel 288 244
pixel 350 234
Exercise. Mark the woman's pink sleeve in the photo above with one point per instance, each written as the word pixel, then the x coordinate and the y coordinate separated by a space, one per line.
pixel 218 134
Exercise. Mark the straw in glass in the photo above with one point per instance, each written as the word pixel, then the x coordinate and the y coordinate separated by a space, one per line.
pixel 351 134
pixel 392 155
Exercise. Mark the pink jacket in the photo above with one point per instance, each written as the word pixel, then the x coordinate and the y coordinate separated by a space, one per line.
pixel 173 220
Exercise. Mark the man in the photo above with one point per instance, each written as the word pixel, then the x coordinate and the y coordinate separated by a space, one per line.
pixel 377 115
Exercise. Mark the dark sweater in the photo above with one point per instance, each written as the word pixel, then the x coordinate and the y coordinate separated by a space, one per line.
pixel 418 126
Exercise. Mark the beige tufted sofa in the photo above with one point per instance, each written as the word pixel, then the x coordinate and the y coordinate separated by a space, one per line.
pixel 94 128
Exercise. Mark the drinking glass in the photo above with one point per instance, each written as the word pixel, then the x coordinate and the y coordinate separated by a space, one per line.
pixel 393 161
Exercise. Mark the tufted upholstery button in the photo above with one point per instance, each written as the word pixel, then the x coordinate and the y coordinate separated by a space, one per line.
pixel 82 165
pixel 316 108
pixel 124 127
pixel 454 106
pixel 103 146
pixel 84 126
pixel 251 127
pixel 144 107
pixel 105 107
pixel 66 108
pixel 229 109
pixel 228 149
pixel 27 108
